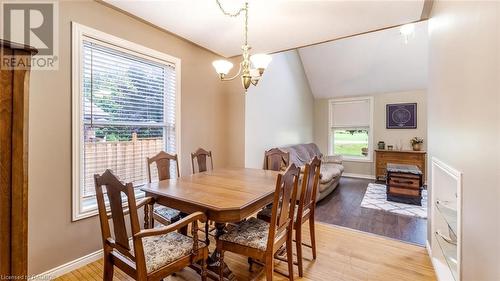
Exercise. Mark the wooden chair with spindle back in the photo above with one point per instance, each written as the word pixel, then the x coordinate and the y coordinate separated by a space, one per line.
pixel 151 254
pixel 276 159
pixel 260 240
pixel 201 156
pixel 305 210
pixel 163 214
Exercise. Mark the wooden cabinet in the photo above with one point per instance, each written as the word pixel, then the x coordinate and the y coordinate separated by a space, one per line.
pixel 408 157
pixel 14 84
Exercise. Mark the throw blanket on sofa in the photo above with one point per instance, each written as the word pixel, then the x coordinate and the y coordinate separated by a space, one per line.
pixel 331 166
pixel 302 154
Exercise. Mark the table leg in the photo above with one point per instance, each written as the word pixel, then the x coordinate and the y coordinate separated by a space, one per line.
pixel 207 236
pixel 214 259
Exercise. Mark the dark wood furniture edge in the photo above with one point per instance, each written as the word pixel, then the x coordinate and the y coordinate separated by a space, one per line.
pixel 403 151
pixel 17 46
pixel 14 170
pixel 219 215
pixel 380 158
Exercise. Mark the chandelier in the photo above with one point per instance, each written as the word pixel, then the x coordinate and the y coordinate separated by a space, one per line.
pixel 259 62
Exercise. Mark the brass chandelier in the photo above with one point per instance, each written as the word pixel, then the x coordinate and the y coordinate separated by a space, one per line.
pixel 259 62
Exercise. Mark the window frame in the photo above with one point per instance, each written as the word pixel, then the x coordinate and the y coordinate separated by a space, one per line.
pixel 79 34
pixel 331 102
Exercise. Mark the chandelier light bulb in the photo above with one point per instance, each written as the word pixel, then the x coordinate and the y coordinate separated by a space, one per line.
pixel 251 67
pixel 222 67
pixel 260 61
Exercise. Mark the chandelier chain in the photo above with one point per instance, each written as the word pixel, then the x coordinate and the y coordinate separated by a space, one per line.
pixel 228 13
pixel 246 23
pixel 235 14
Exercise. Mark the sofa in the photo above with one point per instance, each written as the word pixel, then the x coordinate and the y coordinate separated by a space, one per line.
pixel 331 166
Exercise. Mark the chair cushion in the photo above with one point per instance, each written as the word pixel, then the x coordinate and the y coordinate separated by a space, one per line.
pixel 251 233
pixel 169 214
pixel 164 249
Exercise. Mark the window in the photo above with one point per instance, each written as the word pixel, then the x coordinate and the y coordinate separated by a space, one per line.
pixel 125 108
pixel 350 131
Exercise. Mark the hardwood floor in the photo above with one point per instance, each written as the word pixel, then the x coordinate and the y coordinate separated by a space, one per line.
pixel 342 207
pixel 343 254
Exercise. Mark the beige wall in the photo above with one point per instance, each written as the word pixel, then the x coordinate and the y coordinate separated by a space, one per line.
pixel 464 121
pixel 280 110
pixel 53 238
pixel 235 104
pixel 389 136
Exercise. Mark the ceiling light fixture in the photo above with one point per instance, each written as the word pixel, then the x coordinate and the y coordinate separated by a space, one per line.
pixel 259 62
pixel 407 30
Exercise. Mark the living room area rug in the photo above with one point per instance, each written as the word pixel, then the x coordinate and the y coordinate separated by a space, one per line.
pixel 376 198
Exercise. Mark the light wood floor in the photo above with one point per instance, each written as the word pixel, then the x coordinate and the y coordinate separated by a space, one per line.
pixel 343 254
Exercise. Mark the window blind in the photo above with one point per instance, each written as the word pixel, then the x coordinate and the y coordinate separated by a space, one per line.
pixel 354 113
pixel 129 113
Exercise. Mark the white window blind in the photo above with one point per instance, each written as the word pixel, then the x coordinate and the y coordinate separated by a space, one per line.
pixel 352 113
pixel 129 113
pixel 350 132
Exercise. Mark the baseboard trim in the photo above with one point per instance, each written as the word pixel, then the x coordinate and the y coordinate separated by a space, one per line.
pixel 428 247
pixel 69 266
pixel 361 176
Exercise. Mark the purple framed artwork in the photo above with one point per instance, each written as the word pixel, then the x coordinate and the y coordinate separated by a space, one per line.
pixel 401 116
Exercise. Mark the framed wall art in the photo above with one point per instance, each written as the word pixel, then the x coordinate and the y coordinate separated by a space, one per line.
pixel 401 116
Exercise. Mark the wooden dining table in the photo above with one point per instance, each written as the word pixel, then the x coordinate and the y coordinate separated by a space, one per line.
pixel 228 195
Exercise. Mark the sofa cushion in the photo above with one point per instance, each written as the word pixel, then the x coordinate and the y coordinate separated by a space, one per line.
pixel 324 186
pixel 329 171
pixel 331 166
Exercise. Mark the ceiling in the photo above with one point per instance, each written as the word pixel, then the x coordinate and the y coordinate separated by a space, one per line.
pixel 377 62
pixel 274 25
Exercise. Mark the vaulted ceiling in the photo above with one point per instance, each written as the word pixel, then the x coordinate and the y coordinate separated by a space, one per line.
pixel 377 62
pixel 274 25
pixel 336 62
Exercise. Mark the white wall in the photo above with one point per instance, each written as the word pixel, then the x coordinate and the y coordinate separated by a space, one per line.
pixel 380 133
pixel 464 121
pixel 279 111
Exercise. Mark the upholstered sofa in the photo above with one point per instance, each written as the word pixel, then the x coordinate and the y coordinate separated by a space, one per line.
pixel 331 166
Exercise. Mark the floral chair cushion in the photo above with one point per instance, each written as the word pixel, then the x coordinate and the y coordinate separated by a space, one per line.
pixel 169 214
pixel 251 233
pixel 164 249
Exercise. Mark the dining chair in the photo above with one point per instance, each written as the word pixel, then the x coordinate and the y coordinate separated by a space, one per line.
pixel 305 210
pixel 201 156
pixel 276 159
pixel 260 240
pixel 150 254
pixel 163 214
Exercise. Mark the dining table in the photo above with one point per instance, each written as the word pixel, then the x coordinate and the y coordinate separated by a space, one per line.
pixel 226 195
